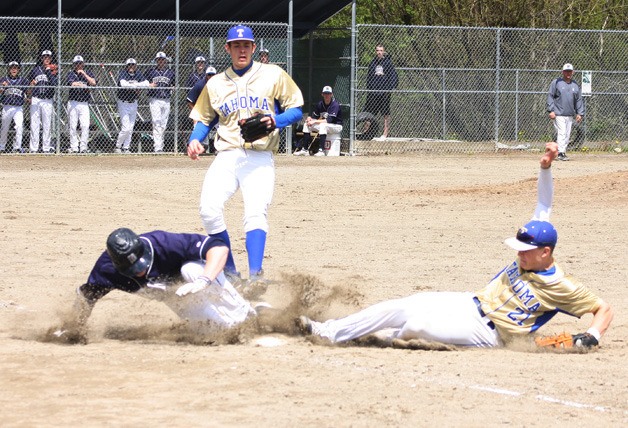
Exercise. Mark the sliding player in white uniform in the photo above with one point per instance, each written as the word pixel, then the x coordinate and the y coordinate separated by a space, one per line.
pixel 245 88
pixel 517 301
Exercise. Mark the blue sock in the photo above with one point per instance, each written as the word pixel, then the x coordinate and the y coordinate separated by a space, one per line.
pixel 230 264
pixel 255 243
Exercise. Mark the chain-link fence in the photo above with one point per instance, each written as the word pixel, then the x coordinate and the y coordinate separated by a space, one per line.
pixel 323 58
pixel 456 89
pixel 84 93
pixel 474 89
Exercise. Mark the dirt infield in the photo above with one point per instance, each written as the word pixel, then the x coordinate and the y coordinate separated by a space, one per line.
pixel 361 230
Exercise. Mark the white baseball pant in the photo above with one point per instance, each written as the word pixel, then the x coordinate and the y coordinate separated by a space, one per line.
pixel 159 112
pixel 41 118
pixel 562 125
pixel 128 113
pixel 220 302
pixel 323 128
pixel 78 112
pixel 12 113
pixel 445 317
pixel 251 171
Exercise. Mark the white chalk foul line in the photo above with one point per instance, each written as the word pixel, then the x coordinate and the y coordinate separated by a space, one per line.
pixel 496 390
pixel 571 403
pixel 491 389
pixel 545 398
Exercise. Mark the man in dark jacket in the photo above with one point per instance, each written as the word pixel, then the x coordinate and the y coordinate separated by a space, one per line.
pixel 381 79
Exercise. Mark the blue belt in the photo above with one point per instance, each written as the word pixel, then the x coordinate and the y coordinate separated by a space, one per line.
pixel 490 323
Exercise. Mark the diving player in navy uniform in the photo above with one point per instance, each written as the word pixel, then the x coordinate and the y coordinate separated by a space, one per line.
pixel 153 265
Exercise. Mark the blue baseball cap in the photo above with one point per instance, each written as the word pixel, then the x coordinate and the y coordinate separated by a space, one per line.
pixel 240 32
pixel 533 234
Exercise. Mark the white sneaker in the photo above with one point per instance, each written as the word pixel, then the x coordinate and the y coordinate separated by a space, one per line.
pixel 320 153
pixel 382 138
pixel 302 152
pixel 117 150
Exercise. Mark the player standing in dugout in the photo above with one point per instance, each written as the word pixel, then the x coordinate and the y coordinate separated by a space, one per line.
pixel 251 102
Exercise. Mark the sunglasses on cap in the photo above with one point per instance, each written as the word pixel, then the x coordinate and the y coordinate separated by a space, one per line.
pixel 527 238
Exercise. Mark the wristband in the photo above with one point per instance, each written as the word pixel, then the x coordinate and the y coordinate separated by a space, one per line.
pixel 595 333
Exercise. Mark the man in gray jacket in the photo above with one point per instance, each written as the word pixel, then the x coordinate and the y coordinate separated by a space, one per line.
pixel 564 101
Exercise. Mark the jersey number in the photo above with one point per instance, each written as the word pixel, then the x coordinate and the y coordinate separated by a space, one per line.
pixel 519 316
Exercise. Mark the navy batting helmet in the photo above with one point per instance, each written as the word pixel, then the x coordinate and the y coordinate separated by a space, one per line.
pixel 130 255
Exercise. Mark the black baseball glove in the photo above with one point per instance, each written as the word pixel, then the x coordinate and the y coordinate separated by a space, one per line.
pixel 584 340
pixel 253 128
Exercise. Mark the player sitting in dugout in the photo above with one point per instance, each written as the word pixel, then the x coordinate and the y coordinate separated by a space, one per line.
pixel 153 265
pixel 520 299
pixel 326 118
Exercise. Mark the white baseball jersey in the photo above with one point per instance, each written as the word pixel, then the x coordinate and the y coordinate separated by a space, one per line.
pixel 229 98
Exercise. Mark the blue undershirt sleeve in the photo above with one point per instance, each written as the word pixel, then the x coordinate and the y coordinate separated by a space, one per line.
pixel 288 117
pixel 200 132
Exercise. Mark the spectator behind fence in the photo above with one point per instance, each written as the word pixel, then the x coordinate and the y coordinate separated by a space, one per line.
pixel 129 80
pixel 264 56
pixel 199 72
pixel 78 104
pixel 326 118
pixel 193 95
pixel 196 90
pixel 13 91
pixel 159 98
pixel 43 79
pixel 564 101
pixel 381 78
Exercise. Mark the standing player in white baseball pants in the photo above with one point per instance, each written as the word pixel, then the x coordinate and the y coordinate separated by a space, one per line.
pixel 13 88
pixel 564 102
pixel 129 80
pixel 78 104
pixel 162 80
pixel 245 88
pixel 43 80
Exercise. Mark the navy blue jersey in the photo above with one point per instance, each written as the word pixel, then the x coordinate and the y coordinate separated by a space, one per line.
pixel 381 75
pixel 195 78
pixel 332 112
pixel 14 93
pixel 129 94
pixel 196 90
pixel 45 82
pixel 170 252
pixel 164 80
pixel 79 93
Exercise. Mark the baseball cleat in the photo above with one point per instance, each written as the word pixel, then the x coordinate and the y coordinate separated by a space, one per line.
pixel 304 325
